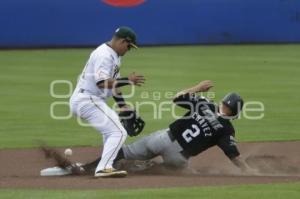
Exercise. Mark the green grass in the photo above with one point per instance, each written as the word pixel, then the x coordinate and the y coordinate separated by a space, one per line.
pixel 274 191
pixel 265 73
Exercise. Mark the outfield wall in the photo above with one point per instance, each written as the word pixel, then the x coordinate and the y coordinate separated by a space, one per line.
pixel 36 23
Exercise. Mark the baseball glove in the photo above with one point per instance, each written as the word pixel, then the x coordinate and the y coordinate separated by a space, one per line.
pixel 133 123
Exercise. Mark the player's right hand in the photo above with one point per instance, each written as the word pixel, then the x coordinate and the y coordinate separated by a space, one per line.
pixel 136 79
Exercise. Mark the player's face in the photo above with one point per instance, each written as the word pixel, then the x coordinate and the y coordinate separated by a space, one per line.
pixel 124 46
pixel 224 110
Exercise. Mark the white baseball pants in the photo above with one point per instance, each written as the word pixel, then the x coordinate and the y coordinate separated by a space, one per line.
pixel 99 115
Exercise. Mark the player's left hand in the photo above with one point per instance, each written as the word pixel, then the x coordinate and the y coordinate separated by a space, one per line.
pixel 204 86
pixel 136 79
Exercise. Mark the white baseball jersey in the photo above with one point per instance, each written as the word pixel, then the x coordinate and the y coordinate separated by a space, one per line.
pixel 104 63
pixel 90 104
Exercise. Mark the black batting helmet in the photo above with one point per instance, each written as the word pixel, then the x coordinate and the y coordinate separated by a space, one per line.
pixel 234 102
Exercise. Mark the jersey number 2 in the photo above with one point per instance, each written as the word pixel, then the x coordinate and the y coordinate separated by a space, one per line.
pixel 189 134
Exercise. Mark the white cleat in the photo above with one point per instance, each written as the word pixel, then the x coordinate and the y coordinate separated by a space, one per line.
pixel 111 173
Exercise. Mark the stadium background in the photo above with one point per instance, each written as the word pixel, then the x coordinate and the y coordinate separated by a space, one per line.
pixel 34 23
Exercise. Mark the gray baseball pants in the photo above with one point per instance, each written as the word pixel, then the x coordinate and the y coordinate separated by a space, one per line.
pixel 156 144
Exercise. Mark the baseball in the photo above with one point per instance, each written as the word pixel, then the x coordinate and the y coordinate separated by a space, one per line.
pixel 68 152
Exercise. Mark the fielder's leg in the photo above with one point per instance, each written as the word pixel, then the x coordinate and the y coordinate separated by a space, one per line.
pixel 106 121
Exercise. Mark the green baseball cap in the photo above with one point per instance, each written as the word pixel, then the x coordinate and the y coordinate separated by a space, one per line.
pixel 128 34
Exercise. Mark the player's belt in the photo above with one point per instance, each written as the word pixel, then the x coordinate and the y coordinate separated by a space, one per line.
pixel 81 90
pixel 173 139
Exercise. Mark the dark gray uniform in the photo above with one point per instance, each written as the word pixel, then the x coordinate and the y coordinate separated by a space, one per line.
pixel 199 129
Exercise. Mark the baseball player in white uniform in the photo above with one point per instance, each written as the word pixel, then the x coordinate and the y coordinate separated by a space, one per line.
pixel 100 79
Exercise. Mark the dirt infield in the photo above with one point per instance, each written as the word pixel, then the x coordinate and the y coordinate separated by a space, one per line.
pixel 276 161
